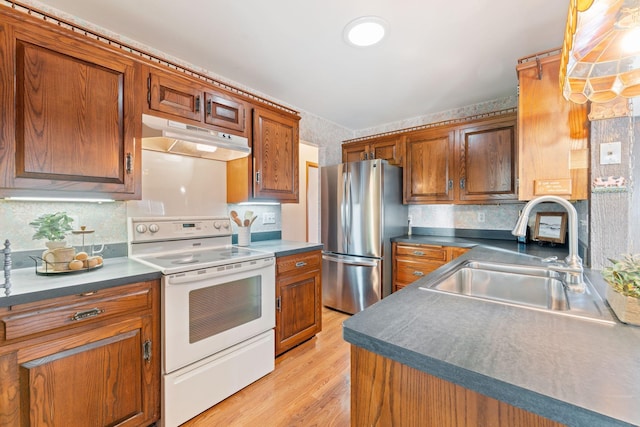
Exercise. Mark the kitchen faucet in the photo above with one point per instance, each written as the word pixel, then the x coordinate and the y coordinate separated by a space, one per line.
pixel 573 264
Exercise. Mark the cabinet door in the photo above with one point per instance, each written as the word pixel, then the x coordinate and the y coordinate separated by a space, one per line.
pixel 429 167
pixel 354 152
pixel 275 153
pixel 553 135
pixel 386 149
pixel 75 117
pixel 225 111
pixel 175 96
pixel 93 378
pixel 298 314
pixel 488 169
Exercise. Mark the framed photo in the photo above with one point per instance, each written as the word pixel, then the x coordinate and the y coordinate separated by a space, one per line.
pixel 550 227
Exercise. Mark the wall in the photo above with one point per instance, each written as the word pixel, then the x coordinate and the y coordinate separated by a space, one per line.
pixel 294 215
pixel 615 223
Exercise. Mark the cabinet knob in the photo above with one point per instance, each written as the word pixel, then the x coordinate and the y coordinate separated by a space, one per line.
pixel 418 273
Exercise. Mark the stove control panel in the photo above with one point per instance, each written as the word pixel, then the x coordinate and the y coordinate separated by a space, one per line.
pixel 171 228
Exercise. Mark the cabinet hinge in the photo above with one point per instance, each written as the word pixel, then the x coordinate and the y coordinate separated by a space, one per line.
pixel 278 303
pixel 462 184
pixel 258 177
pixel 129 165
pixel 450 184
pixel 146 351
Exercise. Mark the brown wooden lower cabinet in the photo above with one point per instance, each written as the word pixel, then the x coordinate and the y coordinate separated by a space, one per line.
pixel 412 261
pixel 388 393
pixel 82 360
pixel 298 299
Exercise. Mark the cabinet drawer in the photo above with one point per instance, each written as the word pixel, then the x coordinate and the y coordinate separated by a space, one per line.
pixel 298 262
pixel 78 310
pixel 436 253
pixel 410 271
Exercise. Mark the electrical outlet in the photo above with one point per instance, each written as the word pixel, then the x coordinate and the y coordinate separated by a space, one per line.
pixel 269 218
pixel 481 216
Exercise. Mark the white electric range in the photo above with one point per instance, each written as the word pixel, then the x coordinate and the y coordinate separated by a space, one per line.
pixel 218 310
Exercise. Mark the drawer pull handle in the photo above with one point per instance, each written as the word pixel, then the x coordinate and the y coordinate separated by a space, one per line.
pixel 418 273
pixel 418 253
pixel 87 314
pixel 300 264
pixel 88 294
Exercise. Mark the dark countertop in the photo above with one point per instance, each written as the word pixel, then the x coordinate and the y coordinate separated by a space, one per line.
pixel 577 372
pixel 29 287
pixel 285 247
pixel 531 248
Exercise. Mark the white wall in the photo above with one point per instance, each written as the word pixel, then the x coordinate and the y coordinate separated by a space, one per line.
pixel 294 215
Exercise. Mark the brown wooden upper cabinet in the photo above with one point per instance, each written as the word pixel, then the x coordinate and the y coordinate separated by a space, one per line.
pixel 271 171
pixel 429 166
pixel 488 161
pixel 553 133
pixel 473 162
pixel 387 148
pixel 184 98
pixel 174 95
pixel 69 113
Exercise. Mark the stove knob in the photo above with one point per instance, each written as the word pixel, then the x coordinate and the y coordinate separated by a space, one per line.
pixel 141 228
pixel 216 225
pixel 154 228
pixel 225 225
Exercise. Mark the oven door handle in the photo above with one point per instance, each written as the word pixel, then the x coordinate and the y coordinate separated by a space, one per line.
pixel 215 272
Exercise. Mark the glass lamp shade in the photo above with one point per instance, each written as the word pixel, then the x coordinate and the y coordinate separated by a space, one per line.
pixel 601 51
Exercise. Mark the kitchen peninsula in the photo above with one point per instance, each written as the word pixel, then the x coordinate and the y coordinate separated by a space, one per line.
pixel 427 358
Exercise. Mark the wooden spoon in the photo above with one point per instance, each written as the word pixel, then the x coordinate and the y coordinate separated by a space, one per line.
pixel 235 218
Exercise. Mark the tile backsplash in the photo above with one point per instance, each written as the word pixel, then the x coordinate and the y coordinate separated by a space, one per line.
pixel 109 220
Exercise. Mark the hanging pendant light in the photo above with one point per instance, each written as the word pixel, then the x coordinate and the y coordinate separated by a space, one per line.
pixel 601 52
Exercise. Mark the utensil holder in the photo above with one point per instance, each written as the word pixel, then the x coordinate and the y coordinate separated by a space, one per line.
pixel 244 236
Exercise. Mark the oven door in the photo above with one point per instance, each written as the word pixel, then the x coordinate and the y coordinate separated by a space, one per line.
pixel 209 310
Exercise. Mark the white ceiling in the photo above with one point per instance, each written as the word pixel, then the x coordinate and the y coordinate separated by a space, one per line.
pixel 438 54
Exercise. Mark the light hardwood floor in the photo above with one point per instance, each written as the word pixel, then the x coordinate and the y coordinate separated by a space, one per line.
pixel 309 387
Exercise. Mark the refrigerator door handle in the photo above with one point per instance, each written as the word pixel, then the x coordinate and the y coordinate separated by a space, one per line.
pixel 348 206
pixel 350 261
pixel 344 211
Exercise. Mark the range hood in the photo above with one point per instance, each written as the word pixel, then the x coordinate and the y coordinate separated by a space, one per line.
pixel 169 136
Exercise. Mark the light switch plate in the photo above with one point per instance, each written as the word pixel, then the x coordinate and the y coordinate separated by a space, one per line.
pixel 611 153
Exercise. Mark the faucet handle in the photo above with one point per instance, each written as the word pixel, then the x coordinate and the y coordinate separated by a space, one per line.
pixel 550 259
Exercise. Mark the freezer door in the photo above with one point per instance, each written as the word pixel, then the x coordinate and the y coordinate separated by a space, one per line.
pixel 364 207
pixel 349 283
pixel 335 217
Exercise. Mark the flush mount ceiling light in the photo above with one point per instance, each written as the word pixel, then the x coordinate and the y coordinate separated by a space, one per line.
pixel 365 31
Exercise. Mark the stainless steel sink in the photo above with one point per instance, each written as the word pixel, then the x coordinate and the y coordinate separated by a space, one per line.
pixel 524 286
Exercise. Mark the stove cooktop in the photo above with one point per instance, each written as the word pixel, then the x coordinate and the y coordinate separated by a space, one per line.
pixel 170 263
pixel 175 245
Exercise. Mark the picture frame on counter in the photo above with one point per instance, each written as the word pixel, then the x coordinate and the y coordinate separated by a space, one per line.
pixel 550 227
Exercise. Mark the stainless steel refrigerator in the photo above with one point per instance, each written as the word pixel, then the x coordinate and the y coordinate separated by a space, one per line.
pixel 362 209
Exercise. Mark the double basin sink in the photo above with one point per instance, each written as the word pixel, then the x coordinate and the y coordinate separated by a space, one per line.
pixel 532 287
